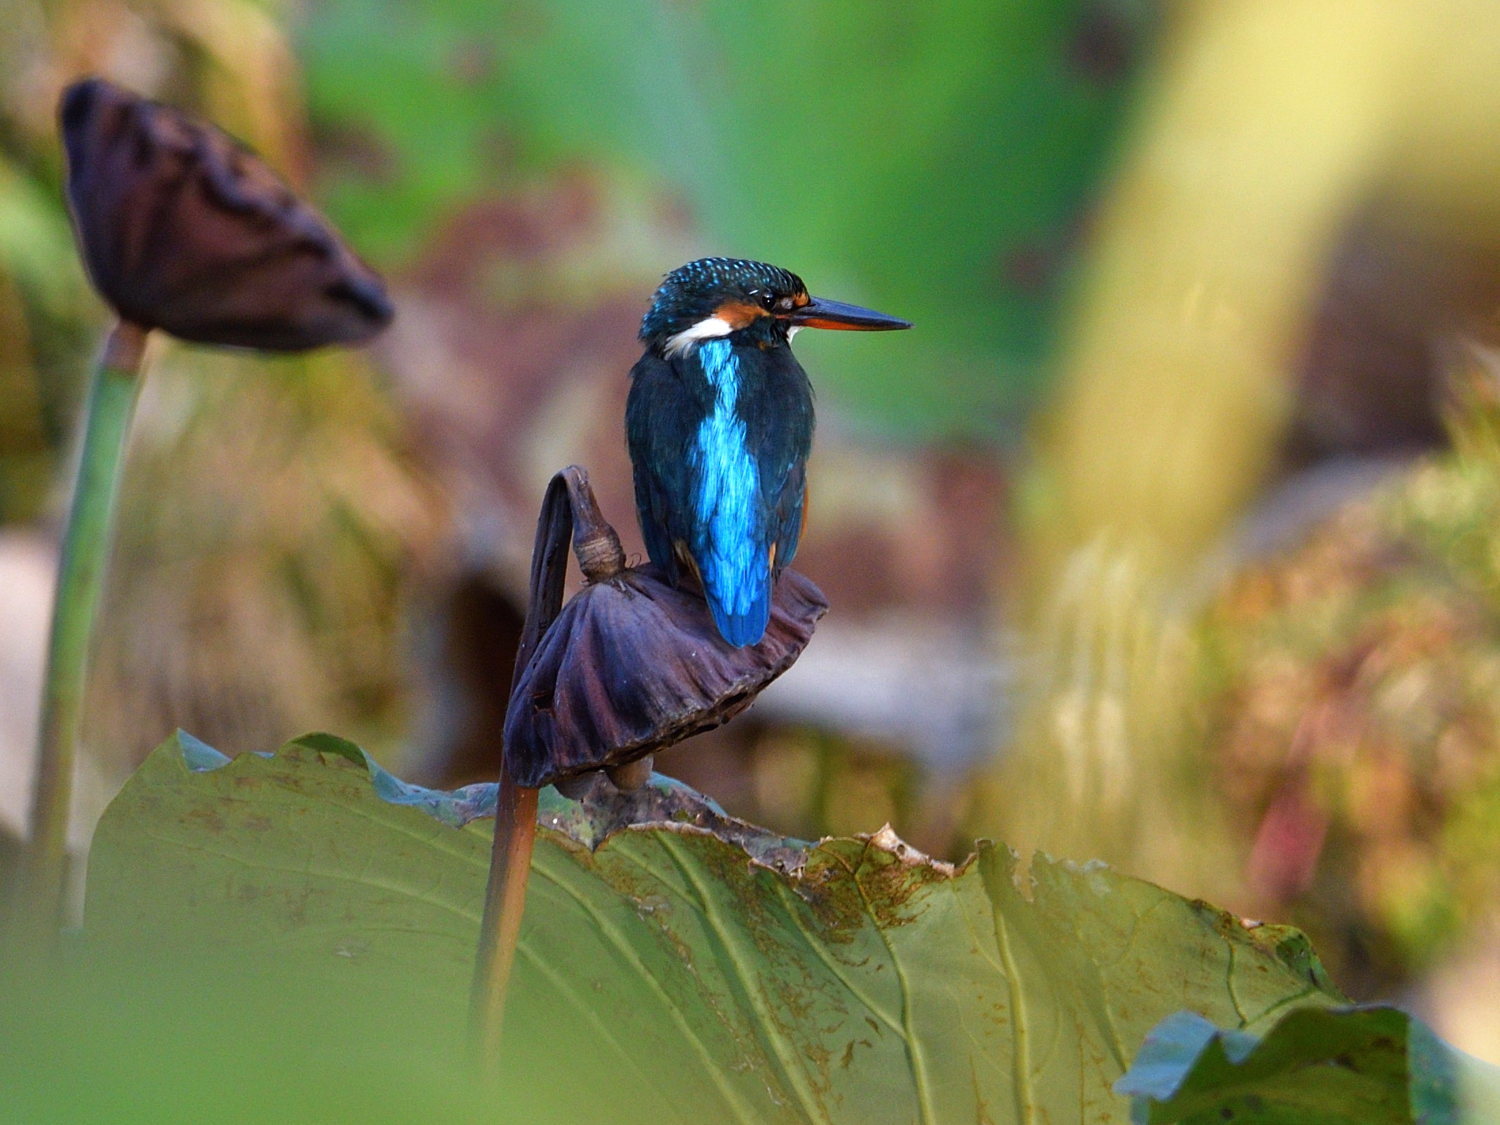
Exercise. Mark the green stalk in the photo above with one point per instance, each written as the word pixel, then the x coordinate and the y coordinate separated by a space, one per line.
pixel 80 579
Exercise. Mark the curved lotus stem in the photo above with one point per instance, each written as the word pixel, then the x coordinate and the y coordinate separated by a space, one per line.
pixel 516 805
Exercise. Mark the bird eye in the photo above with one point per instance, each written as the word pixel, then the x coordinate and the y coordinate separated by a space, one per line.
pixel 767 299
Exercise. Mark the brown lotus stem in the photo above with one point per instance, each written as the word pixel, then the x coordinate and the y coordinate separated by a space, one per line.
pixel 632 775
pixel 505 903
pixel 516 805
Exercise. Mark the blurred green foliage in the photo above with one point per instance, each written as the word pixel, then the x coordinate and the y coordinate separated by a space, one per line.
pixel 44 308
pixel 170 1042
pixel 934 161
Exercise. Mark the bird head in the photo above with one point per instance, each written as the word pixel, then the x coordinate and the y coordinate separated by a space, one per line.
pixel 753 302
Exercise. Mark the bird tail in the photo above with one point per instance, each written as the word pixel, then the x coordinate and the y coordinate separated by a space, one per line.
pixel 739 598
pixel 746 622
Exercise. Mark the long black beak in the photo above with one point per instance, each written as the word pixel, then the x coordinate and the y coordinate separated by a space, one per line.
pixel 818 313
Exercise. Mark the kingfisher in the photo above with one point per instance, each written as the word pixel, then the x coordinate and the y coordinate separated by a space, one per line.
pixel 719 422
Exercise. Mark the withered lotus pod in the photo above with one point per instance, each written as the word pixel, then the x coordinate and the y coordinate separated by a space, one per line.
pixel 184 229
pixel 632 665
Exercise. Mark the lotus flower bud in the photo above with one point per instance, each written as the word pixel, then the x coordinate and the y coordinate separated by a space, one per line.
pixel 184 229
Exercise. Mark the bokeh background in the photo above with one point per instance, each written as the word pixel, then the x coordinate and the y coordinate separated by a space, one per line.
pixel 1171 535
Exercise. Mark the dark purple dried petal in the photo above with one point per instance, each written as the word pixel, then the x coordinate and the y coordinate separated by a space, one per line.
pixel 633 665
pixel 184 229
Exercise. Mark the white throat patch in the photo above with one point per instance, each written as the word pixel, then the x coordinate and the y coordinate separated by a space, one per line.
pixel 703 330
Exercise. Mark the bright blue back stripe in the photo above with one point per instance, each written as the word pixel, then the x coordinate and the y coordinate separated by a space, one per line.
pixel 730 544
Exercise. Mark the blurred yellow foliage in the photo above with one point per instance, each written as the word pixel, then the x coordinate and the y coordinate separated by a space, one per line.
pixel 1270 128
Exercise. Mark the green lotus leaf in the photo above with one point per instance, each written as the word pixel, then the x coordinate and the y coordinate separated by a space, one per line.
pixel 1316 1066
pixel 696 968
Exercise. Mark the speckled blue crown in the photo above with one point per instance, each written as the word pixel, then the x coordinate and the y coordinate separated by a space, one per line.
pixel 695 291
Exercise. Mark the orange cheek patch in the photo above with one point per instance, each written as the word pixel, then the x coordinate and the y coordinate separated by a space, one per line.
pixel 737 314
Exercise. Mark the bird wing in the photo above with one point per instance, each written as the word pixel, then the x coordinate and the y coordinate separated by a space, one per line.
pixel 789 515
pixel 780 427
pixel 659 430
